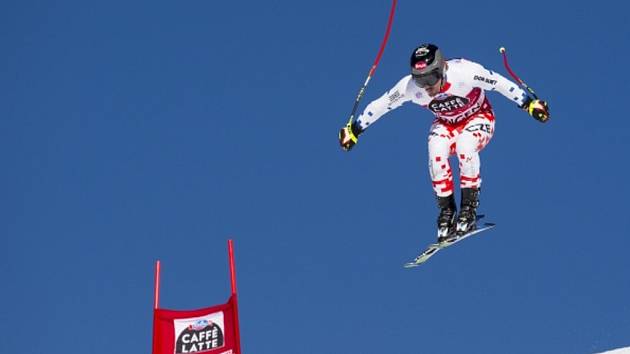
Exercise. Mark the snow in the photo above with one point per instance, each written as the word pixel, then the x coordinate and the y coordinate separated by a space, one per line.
pixel 618 351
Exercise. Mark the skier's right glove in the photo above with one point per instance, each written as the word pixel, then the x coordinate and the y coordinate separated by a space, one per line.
pixel 349 135
pixel 537 109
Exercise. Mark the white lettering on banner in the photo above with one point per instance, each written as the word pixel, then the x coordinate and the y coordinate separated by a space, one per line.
pixel 199 334
pixel 198 337
pixel 193 348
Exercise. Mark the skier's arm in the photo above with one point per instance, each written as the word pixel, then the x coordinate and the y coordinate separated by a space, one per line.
pixel 392 99
pixel 492 81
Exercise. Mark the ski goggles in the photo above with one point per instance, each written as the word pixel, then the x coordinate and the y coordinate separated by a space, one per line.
pixel 428 79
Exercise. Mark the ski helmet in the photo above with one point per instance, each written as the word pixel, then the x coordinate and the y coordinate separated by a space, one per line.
pixel 427 65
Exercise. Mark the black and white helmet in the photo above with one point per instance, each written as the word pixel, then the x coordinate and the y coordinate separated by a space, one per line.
pixel 427 65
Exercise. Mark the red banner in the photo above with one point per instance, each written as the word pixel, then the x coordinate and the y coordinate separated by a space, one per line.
pixel 212 330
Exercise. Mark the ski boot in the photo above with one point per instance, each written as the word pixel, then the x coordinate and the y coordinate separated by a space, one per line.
pixel 467 219
pixel 446 219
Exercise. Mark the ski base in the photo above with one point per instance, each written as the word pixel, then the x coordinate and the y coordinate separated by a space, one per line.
pixel 433 248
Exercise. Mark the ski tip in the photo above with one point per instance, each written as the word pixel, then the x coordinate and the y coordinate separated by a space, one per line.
pixel 410 265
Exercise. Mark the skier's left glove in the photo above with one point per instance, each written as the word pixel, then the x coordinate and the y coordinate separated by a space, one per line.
pixel 537 109
pixel 349 135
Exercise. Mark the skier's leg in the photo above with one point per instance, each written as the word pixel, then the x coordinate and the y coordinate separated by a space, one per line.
pixel 440 144
pixel 473 138
pixel 441 140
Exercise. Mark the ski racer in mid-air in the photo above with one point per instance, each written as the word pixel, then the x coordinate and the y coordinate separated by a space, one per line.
pixel 455 91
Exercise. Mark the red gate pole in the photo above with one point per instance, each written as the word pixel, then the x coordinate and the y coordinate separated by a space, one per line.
pixel 156 301
pixel 234 295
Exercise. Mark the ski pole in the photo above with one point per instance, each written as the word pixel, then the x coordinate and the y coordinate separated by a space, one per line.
pixel 378 58
pixel 518 79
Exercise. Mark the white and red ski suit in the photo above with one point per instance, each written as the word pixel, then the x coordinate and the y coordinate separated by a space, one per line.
pixel 464 120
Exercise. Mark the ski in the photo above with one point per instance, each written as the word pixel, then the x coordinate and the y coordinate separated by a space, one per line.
pixel 433 248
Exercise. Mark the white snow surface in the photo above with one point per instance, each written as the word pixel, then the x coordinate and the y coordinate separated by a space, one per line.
pixel 617 351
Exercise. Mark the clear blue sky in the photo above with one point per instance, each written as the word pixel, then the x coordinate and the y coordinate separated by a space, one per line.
pixel 135 131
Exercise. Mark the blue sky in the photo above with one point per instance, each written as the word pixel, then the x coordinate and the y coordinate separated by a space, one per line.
pixel 135 131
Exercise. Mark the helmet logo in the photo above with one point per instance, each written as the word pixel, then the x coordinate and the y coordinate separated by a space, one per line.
pixel 422 51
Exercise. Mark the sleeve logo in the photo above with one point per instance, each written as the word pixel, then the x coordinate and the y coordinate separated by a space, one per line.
pixel 486 80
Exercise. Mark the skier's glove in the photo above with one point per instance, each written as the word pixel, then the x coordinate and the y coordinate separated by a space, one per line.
pixel 349 135
pixel 537 109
